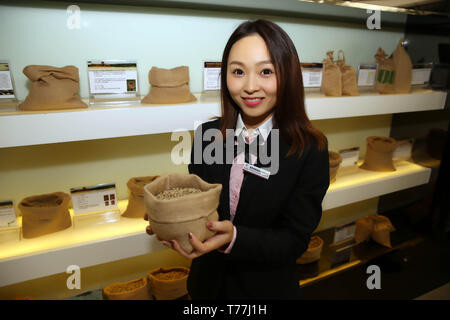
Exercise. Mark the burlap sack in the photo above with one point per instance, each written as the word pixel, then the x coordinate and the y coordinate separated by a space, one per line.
pixel 169 86
pixel 376 227
pixel 313 252
pixel 349 84
pixel 385 73
pixel 382 228
pixel 52 88
pixel 175 218
pixel 335 160
pixel 46 213
pixel 168 283
pixel 331 78
pixel 403 69
pixel 137 289
pixel 379 154
pixel 136 206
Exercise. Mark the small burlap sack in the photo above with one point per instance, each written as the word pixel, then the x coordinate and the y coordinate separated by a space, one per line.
pixel 375 226
pixel 313 252
pixel 331 78
pixel 385 73
pixel 403 69
pixel 379 154
pixel 349 84
pixel 136 206
pixel 169 86
pixel 52 88
pixel 168 283
pixel 46 213
pixel 137 289
pixel 335 160
pixel 174 218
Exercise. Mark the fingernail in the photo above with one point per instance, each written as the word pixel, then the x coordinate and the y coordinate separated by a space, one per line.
pixel 210 224
pixel 190 235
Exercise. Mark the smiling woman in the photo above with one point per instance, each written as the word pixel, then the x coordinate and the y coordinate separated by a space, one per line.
pixel 265 221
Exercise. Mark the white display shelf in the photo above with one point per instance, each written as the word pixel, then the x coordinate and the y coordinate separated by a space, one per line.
pixel 18 128
pixel 53 253
pixel 354 184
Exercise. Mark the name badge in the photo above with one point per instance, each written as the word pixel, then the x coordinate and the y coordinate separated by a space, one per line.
pixel 256 171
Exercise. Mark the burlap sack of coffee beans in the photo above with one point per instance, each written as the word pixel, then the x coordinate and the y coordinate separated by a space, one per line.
pixel 375 227
pixel 137 289
pixel 331 78
pixel 335 160
pixel 52 88
pixel 173 218
pixel 136 206
pixel 169 86
pixel 168 283
pixel 379 154
pixel 44 214
pixel 313 252
pixel 348 75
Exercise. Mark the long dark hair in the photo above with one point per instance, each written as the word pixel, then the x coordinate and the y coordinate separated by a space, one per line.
pixel 289 113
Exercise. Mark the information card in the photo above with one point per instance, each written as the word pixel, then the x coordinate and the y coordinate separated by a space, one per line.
pixel 349 156
pixel 421 73
pixel 6 86
pixel 312 74
pixel 211 76
pixel 112 77
pixel 96 198
pixel 366 74
pixel 7 215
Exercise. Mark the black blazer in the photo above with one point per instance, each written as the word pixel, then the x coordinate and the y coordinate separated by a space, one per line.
pixel 274 221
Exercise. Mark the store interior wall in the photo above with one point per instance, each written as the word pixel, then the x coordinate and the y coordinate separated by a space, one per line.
pixel 37 34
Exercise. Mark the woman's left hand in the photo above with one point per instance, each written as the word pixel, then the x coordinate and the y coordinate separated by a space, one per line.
pixel 224 235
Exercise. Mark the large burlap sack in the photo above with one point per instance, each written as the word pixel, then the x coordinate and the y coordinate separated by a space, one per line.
pixel 335 160
pixel 137 289
pixel 331 78
pixel 136 206
pixel 168 283
pixel 403 69
pixel 44 214
pixel 349 84
pixel 313 252
pixel 169 86
pixel 174 218
pixel 52 88
pixel 379 154
pixel 385 73
pixel 375 227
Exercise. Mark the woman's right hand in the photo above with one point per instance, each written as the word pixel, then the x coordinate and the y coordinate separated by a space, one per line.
pixel 149 228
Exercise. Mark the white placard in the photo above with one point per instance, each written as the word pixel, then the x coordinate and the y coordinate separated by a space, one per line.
pixel 344 232
pixel 112 77
pixel 421 73
pixel 97 198
pixel 366 75
pixel 403 149
pixel 211 76
pixel 349 156
pixel 6 86
pixel 7 215
pixel 312 74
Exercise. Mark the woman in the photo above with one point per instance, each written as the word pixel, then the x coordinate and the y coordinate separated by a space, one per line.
pixel 264 224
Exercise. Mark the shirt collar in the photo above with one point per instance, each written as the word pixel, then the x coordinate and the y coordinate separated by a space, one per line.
pixel 263 130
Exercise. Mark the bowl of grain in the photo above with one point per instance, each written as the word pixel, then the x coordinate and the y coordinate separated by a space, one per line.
pixel 168 283
pixel 177 204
